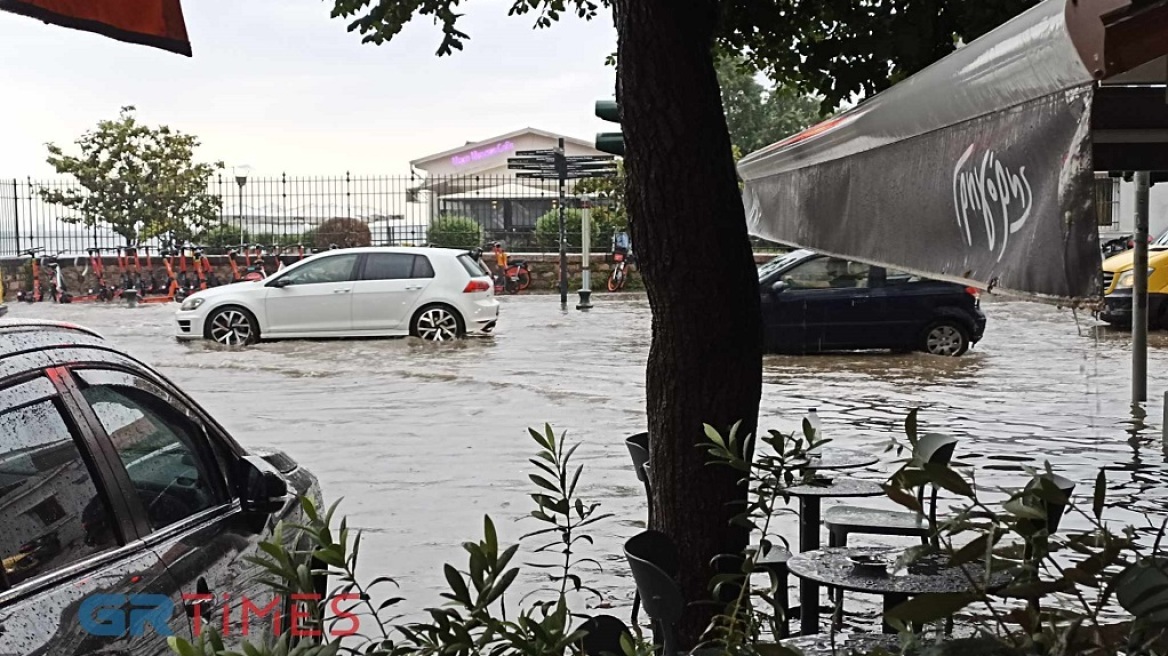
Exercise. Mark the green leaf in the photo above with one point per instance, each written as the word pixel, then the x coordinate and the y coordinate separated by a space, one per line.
pixel 903 498
pixel 490 538
pixel 713 435
pixel 1100 494
pixel 975 550
pixel 947 478
pixel 457 584
pixel 931 607
pixel 910 426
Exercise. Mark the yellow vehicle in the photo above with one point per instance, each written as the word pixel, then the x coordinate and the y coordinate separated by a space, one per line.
pixel 3 306
pixel 1118 279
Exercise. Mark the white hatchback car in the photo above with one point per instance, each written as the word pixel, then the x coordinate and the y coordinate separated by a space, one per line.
pixel 436 294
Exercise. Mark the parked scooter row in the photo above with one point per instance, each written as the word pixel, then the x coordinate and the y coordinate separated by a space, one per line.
pixel 185 270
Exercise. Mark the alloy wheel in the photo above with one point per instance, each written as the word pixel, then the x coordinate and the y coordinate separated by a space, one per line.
pixel 231 328
pixel 944 339
pixel 437 325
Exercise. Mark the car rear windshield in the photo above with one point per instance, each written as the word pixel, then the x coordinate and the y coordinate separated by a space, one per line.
pixel 474 268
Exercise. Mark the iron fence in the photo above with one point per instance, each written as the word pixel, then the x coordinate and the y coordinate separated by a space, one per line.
pixel 288 210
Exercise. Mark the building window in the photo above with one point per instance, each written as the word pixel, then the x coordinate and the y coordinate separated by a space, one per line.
pixel 1107 202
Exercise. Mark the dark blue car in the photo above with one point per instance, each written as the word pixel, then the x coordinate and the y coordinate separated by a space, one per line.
pixel 813 303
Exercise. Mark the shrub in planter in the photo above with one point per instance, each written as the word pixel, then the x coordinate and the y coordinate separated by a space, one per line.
pixel 456 232
pixel 547 230
pixel 343 233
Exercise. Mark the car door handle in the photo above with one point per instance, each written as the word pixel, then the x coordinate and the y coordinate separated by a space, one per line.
pixel 341 291
pixel 413 288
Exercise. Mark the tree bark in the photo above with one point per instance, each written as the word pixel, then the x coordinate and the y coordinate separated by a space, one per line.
pixel 705 359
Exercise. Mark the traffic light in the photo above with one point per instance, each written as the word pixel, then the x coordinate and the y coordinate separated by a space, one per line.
pixel 610 142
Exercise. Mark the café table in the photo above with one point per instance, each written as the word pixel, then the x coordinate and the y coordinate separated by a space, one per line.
pixel 810 495
pixel 832 458
pixel 834 566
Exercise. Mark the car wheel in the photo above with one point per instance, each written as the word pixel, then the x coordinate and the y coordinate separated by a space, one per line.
pixel 946 337
pixel 437 323
pixel 232 326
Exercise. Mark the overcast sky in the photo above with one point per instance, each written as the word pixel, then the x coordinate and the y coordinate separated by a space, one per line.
pixel 279 86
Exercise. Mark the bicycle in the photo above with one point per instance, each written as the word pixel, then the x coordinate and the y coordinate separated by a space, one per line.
pixel 622 255
pixel 57 289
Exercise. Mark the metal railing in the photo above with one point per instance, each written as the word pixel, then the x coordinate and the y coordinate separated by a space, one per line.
pixel 288 210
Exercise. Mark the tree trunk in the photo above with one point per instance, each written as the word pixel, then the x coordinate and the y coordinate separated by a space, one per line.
pixel 693 252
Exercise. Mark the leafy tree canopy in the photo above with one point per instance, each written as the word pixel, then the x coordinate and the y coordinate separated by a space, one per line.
pixel 838 50
pixel 140 181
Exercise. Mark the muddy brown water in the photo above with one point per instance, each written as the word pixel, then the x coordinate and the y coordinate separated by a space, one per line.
pixel 421 440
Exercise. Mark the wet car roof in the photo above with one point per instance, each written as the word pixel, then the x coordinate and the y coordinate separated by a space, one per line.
pixel 23 336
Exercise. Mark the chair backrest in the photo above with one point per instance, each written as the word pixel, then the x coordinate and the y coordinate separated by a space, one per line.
pixel 1054 511
pixel 603 635
pixel 639 451
pixel 652 558
pixel 1142 590
pixel 935 449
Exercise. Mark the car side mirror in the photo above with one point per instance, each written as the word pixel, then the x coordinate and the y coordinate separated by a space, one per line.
pixel 262 489
pixel 280 283
pixel 779 286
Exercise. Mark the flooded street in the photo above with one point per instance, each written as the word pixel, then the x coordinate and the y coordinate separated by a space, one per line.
pixel 422 440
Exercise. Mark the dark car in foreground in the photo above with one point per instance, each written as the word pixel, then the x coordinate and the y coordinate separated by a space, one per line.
pixel 118 496
pixel 813 303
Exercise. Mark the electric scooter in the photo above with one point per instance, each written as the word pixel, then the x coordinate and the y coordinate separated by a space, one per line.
pixel 33 295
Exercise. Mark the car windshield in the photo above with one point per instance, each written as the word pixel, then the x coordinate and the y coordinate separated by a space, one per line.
pixel 780 262
pixel 1162 240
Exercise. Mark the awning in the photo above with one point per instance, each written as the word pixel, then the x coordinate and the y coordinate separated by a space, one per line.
pixel 157 23
pixel 980 168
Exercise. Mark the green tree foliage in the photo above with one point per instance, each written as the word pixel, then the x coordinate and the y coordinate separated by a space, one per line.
pixel 843 50
pixel 139 181
pixel 608 206
pixel 456 232
pixel 342 233
pixel 760 115
pixel 547 229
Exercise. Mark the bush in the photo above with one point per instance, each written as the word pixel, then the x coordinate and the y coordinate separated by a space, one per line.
pixel 547 230
pixel 342 232
pixel 456 232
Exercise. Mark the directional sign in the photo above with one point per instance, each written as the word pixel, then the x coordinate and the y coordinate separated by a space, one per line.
pixel 529 153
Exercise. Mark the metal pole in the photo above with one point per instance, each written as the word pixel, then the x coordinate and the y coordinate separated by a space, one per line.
pixel 586 252
pixel 1140 292
pixel 240 211
pixel 16 213
pixel 563 174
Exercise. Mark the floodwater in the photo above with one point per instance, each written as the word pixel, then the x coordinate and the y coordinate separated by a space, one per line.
pixel 422 440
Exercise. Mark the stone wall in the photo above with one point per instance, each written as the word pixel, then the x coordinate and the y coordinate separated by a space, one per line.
pixel 545 270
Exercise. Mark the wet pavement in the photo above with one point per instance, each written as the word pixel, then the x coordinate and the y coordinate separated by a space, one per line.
pixel 422 440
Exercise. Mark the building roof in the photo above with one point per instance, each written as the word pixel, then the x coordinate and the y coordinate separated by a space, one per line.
pixel 422 161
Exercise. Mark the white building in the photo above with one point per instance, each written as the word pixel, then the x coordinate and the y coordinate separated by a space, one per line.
pixel 473 180
pixel 1116 203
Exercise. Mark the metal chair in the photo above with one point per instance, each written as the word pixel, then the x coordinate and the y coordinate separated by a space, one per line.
pixel 603 636
pixel 773 561
pixel 653 561
pixel 842 521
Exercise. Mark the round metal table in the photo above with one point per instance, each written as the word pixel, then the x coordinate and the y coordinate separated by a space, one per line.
pixel 830 458
pixel 809 496
pixel 930 574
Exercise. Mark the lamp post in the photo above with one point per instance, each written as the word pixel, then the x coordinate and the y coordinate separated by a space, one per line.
pixel 586 249
pixel 241 180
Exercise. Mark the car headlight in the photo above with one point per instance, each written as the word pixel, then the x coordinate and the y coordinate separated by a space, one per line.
pixel 1128 278
pixel 192 303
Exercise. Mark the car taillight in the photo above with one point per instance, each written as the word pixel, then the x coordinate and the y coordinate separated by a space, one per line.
pixel 476 285
pixel 973 291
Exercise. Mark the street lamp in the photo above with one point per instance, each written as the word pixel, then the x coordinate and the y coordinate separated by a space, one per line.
pixel 241 180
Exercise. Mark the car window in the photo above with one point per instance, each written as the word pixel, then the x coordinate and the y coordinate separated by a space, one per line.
pixel 894 277
pixel 779 262
pixel 474 267
pixel 827 273
pixel 157 446
pixel 388 266
pixel 422 267
pixel 334 268
pixel 51 514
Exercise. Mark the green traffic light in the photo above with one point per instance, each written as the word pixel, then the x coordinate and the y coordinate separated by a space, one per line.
pixel 608 110
pixel 611 142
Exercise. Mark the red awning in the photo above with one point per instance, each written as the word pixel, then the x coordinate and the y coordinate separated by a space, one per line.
pixel 157 23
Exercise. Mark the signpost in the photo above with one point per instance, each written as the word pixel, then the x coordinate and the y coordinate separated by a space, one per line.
pixel 553 164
